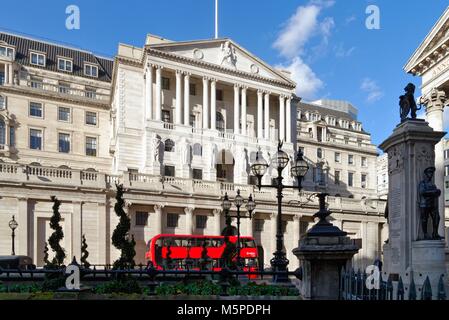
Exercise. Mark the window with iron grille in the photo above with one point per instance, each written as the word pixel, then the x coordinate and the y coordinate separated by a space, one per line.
pixel 258 225
pixel 172 220
pixel 141 218
pixel 165 83
pixel 197 174
pixel 201 222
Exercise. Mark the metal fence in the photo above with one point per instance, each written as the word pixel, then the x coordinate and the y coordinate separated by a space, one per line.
pixel 353 286
pixel 146 274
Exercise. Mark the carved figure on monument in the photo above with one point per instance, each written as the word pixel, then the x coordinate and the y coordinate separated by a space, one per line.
pixel 407 103
pixel 213 157
pixel 185 153
pixel 428 195
pixel 156 148
pixel 229 56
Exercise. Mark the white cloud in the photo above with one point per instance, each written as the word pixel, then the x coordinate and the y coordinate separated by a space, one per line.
pixel 342 52
pixel 307 81
pixel 350 19
pixel 302 26
pixel 370 86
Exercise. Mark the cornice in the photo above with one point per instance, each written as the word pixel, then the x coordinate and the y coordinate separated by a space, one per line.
pixel 49 96
pixel 217 68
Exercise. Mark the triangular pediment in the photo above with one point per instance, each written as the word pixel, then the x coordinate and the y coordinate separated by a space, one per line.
pixel 224 53
pixel 436 37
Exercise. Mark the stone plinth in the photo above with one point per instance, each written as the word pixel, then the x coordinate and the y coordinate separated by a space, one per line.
pixel 323 252
pixel 410 151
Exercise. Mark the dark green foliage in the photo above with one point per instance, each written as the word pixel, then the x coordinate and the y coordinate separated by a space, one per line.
pixel 20 288
pixel 47 262
pixel 253 289
pixel 56 236
pixel 84 253
pixel 119 286
pixel 53 283
pixel 120 236
pixel 200 288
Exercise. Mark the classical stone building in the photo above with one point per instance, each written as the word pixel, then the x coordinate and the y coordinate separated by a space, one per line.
pixel 178 123
pixel 430 62
pixel 382 176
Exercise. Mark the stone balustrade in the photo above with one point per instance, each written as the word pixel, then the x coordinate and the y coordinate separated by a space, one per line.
pixel 63 177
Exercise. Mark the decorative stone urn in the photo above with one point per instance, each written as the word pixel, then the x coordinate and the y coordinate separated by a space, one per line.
pixel 323 252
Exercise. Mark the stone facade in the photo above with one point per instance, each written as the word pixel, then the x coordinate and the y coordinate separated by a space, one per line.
pixel 178 123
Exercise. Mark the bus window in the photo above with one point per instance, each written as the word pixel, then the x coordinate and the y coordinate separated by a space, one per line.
pixel 247 243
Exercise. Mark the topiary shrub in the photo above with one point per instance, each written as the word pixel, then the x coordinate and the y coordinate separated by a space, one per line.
pixel 200 288
pixel 119 286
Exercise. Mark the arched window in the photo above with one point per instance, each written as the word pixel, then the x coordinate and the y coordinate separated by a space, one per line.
pixel 197 150
pixel 2 102
pixel 169 146
pixel 2 132
pixel 220 123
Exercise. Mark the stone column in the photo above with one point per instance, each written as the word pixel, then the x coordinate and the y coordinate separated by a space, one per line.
pixel 77 229
pixel 435 104
pixel 267 116
pixel 217 222
pixel 178 106
pixel 244 110
pixel 158 93
pixel 282 118
pixel 259 114
pixel 158 218
pixel 273 223
pixel 205 103
pixel 289 112
pixel 296 228
pixel 187 99
pixel 22 231
pixel 149 92
pixel 6 74
pixel 213 104
pixel 11 77
pixel 236 109
pixel 103 239
pixel 189 219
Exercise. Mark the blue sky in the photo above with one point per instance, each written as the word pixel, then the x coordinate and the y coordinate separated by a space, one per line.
pixel 324 42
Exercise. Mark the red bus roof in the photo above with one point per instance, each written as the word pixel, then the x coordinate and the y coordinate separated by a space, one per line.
pixel 195 236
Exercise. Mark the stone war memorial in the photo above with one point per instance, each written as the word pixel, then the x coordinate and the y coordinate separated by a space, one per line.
pixel 415 249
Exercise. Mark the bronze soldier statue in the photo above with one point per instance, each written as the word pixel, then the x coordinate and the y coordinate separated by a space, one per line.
pixel 428 195
pixel 407 103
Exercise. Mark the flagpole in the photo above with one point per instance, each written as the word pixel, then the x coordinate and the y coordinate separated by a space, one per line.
pixel 216 19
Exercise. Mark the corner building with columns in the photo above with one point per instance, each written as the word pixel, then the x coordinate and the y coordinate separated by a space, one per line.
pixel 178 123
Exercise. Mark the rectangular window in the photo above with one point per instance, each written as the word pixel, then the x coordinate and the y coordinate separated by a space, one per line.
pixel 65 65
pixel 172 220
pixel 258 225
pixel 2 78
pixel 192 89
pixel 36 109
pixel 91 70
pixel 64 88
pixel 35 139
pixel 91 93
pixel 364 162
pixel 337 157
pixel 165 83
pixel 201 222
pixel 363 181
pixel 197 174
pixel 64 114
pixel 141 219
pixel 219 95
pixel 192 121
pixel 337 177
pixel 91 146
pixel 253 180
pixel 6 52
pixel 91 118
pixel 37 83
pixel 350 159
pixel 12 137
pixel 38 59
pixel 64 142
pixel 166 117
pixel 350 179
pixel 169 171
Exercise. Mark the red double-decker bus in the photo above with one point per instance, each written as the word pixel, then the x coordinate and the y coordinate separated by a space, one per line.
pixel 178 248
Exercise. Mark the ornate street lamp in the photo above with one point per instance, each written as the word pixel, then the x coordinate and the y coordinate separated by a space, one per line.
pixel 238 202
pixel 13 225
pixel 299 170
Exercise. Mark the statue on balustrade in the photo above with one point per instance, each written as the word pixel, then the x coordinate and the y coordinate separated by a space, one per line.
pixel 407 103
pixel 428 195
